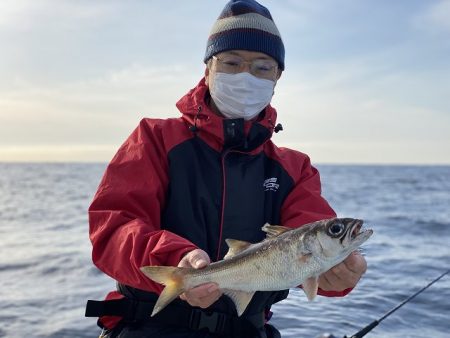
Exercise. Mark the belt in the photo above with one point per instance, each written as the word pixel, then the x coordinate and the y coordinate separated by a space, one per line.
pixel 178 316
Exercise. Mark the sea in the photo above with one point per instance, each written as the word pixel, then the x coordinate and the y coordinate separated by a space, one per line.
pixel 46 272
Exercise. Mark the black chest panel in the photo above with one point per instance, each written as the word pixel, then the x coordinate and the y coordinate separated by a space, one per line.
pixel 213 196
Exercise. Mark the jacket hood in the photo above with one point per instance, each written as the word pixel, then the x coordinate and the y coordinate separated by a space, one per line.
pixel 213 128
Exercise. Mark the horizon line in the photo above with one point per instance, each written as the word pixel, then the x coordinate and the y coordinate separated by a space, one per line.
pixel 324 163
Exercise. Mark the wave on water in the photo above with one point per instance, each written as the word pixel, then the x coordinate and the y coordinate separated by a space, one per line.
pixel 47 274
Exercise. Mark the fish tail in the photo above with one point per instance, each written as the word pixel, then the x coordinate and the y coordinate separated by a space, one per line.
pixel 171 277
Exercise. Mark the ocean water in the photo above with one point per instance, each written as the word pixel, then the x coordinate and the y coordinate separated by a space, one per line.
pixel 46 272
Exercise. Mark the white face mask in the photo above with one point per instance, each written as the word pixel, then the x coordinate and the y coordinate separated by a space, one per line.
pixel 240 95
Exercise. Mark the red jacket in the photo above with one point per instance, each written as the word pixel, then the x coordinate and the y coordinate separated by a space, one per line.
pixel 188 182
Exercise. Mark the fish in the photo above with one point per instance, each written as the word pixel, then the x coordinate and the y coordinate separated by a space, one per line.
pixel 286 258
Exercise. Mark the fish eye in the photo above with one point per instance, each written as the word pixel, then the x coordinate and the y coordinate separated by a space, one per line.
pixel 336 229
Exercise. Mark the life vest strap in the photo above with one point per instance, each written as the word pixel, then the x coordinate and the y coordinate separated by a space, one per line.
pixel 178 316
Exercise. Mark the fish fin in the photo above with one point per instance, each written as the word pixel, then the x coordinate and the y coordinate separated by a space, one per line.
pixel 274 230
pixel 235 246
pixel 171 277
pixel 241 299
pixel 310 286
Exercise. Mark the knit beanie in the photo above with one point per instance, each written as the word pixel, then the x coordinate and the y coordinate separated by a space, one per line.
pixel 246 25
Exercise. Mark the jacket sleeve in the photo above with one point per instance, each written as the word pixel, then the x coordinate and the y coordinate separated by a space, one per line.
pixel 305 204
pixel 125 214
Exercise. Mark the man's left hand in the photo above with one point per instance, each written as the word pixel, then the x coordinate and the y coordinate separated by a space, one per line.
pixel 344 275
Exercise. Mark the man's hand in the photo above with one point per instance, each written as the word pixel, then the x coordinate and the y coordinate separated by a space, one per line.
pixel 203 295
pixel 344 275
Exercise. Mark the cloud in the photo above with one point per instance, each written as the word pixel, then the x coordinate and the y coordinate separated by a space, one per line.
pixel 357 102
pixel 375 151
pixel 24 14
pixel 435 19
pixel 11 11
pixel 75 112
pixel 58 153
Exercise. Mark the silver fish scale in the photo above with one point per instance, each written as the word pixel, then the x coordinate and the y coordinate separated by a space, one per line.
pixel 273 265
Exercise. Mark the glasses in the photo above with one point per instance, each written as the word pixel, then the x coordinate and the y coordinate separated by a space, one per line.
pixel 233 64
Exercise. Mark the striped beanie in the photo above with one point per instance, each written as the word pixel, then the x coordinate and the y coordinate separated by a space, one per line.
pixel 247 25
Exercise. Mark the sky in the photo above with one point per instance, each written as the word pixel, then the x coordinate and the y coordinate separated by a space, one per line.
pixel 366 81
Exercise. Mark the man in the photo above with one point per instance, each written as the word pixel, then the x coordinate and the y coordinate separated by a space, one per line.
pixel 177 188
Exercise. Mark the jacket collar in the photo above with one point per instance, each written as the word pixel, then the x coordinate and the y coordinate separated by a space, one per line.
pixel 222 133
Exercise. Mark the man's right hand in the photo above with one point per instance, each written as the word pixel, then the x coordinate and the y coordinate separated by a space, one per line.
pixel 203 295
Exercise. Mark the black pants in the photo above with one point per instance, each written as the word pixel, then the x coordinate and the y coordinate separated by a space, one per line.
pixel 153 330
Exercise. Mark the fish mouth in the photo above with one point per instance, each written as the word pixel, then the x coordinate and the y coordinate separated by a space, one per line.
pixel 356 232
pixel 355 228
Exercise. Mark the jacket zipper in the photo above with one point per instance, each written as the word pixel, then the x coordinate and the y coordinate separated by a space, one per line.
pixel 222 215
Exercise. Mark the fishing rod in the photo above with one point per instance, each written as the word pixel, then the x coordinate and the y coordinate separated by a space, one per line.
pixel 372 325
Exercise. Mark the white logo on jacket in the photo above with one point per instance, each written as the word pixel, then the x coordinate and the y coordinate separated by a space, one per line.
pixel 271 184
